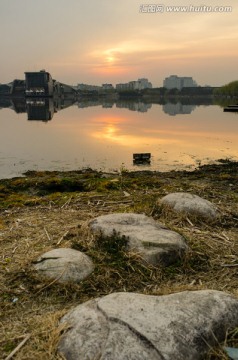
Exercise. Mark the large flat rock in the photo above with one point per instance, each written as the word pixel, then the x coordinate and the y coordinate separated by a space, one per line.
pixel 64 265
pixel 155 243
pixel 128 326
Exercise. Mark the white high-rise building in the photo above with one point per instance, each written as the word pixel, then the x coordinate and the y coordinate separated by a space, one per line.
pixel 143 84
pixel 178 82
pixel 139 84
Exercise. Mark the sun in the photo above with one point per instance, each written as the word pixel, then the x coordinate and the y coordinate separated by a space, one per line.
pixel 108 62
pixel 110 59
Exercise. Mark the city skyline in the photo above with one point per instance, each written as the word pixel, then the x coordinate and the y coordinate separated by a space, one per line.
pixel 139 84
pixel 95 43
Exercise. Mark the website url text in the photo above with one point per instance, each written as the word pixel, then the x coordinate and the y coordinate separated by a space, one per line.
pixel 160 8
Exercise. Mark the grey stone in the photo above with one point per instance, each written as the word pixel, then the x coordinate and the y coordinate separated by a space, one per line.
pixel 190 204
pixel 128 326
pixel 65 265
pixel 154 242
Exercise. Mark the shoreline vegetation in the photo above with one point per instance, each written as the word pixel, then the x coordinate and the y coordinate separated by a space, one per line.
pixel 46 210
pixel 201 95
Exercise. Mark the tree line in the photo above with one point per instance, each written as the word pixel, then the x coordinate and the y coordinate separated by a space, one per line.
pixel 230 89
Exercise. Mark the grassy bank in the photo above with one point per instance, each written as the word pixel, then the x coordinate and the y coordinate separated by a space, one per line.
pixel 46 210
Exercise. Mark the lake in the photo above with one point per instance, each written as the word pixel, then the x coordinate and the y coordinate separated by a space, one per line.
pixel 103 135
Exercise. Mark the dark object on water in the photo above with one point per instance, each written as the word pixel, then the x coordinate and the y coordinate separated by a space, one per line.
pixel 231 108
pixel 141 159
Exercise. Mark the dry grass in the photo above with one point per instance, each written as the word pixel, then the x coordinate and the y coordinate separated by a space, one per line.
pixel 59 219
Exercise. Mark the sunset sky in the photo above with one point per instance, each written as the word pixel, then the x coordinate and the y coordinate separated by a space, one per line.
pixel 99 41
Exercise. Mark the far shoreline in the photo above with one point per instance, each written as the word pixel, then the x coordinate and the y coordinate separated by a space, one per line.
pixel 216 164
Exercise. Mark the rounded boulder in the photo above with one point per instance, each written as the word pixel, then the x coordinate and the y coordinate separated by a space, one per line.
pixel 189 204
pixel 64 265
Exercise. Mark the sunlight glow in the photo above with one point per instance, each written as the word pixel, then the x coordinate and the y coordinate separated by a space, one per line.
pixel 110 59
pixel 114 134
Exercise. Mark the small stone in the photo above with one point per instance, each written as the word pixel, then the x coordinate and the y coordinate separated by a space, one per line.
pixel 190 204
pixel 64 265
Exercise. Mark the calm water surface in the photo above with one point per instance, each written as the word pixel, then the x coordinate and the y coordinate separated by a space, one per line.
pixel 105 138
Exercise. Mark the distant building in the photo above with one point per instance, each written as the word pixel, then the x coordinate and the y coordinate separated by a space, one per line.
pixel 177 82
pixel 5 89
pixel 139 84
pixel 39 83
pixel 107 87
pixel 85 87
pixel 143 84
pixel 120 87
pixel 18 87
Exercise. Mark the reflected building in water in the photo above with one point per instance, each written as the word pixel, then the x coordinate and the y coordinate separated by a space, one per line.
pixel 134 106
pixel 178 108
pixel 16 104
pixel 109 103
pixel 89 103
pixel 41 109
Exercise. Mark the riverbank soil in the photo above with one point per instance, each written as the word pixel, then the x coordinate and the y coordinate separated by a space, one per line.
pixel 46 210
